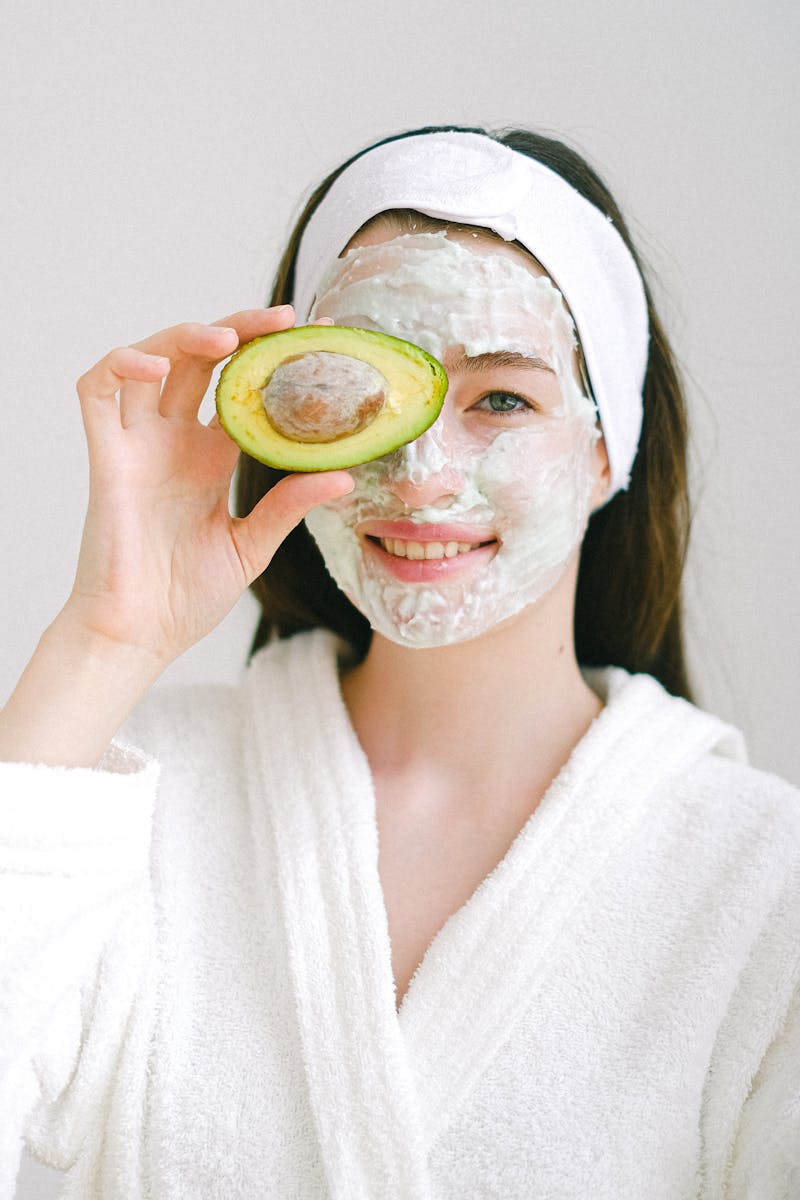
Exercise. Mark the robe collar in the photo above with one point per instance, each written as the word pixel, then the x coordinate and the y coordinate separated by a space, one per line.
pixel 383 1085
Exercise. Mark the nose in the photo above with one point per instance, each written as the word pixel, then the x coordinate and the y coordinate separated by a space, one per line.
pixel 438 487
pixel 420 474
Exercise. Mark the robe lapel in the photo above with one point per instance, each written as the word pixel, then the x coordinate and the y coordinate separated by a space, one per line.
pixel 385 1085
pixel 310 773
pixel 483 968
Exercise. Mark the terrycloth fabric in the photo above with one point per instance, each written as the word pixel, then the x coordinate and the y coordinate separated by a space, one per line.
pixel 614 1012
pixel 472 179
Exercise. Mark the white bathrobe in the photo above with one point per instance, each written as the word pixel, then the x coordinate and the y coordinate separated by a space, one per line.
pixel 197 998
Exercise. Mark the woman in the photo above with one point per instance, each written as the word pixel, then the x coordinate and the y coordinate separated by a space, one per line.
pixel 424 908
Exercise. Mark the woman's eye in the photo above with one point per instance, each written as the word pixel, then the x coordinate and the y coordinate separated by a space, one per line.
pixel 503 402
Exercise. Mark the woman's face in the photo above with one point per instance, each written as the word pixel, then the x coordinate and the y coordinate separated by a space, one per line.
pixel 480 516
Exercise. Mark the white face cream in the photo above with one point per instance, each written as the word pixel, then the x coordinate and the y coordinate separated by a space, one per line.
pixel 479 516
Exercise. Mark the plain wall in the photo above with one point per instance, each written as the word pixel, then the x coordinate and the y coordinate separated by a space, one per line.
pixel 155 154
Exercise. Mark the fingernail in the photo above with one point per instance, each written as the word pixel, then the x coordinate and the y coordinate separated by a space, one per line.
pixel 325 321
pixel 284 310
pixel 222 329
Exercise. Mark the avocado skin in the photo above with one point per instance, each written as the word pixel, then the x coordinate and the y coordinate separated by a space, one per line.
pixel 417 381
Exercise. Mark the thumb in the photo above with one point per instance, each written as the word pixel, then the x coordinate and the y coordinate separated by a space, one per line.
pixel 258 535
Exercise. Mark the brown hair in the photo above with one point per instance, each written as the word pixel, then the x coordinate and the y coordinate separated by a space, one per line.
pixel 628 602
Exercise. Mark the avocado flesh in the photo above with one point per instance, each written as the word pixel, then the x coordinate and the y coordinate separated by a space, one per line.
pixel 417 385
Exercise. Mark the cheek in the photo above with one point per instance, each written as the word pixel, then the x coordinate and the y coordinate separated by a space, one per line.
pixel 527 472
pixel 365 496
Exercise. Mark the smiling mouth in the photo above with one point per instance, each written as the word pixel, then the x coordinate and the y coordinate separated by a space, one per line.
pixel 428 551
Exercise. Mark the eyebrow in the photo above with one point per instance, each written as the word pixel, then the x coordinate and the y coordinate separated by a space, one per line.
pixel 496 359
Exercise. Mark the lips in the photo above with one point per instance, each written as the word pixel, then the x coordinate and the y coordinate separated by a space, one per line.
pixel 413 531
pixel 424 553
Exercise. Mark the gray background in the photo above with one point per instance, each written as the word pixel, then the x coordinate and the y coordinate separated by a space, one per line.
pixel 155 154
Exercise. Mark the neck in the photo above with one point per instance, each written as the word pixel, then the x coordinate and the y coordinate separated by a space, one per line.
pixel 496 711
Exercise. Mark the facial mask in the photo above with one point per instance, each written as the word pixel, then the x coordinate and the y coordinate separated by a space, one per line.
pixel 521 484
pixel 472 179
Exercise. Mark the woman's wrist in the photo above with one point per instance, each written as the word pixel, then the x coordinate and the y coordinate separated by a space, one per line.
pixel 72 697
pixel 69 635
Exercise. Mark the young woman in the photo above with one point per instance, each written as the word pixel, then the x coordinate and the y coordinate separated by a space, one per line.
pixel 458 894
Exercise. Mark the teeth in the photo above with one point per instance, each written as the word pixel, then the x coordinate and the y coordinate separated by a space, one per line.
pixel 426 550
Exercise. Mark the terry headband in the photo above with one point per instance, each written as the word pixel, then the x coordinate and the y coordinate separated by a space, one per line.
pixel 471 179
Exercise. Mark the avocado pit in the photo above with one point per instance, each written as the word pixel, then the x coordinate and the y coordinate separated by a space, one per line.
pixel 323 396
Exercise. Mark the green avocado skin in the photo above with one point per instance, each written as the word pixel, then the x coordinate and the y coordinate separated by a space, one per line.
pixel 417 388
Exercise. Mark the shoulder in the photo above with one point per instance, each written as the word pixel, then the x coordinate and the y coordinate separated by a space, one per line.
pixel 757 798
pixel 743 779
pixel 702 760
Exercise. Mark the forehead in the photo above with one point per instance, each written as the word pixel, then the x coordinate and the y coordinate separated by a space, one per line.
pixel 504 300
pixel 479 241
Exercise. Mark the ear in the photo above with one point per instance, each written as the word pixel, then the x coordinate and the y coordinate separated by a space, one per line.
pixel 602 480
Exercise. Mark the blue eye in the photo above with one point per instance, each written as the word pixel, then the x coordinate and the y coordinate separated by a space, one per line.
pixel 503 402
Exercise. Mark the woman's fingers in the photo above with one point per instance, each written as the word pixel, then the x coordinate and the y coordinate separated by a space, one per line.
pixel 193 363
pixel 185 355
pixel 183 339
pixel 191 371
pixel 258 535
pixel 138 401
pixel 124 367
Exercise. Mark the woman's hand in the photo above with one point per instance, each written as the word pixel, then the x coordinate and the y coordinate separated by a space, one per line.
pixel 162 561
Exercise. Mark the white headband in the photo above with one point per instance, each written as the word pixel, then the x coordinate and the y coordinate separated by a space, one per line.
pixel 472 179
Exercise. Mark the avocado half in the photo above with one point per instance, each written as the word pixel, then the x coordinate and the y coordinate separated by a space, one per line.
pixel 412 399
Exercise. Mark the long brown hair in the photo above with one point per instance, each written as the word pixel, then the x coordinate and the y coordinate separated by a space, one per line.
pixel 628 603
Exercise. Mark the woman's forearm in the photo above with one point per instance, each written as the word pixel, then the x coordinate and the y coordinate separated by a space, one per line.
pixel 72 697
